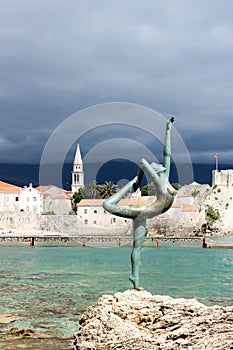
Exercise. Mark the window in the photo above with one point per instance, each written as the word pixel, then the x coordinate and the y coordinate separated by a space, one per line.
pixel 16 199
pixel 95 211
pixel 86 222
pixel 94 222
pixel 34 199
pixel 85 211
pixel 76 178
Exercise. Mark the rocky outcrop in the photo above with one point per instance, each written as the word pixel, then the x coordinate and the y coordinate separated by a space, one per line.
pixel 138 320
pixel 25 332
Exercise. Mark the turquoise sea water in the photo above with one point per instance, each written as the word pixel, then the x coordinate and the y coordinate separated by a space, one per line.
pixel 51 284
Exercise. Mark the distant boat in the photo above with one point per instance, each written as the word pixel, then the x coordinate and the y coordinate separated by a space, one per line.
pixel 209 243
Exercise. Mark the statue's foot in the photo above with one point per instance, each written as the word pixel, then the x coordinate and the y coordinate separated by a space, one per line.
pixel 139 289
pixel 135 281
pixel 171 119
pixel 132 185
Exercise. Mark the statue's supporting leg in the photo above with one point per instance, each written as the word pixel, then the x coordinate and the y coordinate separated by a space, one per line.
pixel 139 227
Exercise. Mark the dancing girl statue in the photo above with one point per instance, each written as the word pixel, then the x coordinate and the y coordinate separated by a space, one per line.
pixel 139 213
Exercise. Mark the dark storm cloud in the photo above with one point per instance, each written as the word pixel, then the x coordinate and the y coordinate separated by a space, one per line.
pixel 60 56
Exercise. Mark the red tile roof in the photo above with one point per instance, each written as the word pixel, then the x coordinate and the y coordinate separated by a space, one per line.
pixel 189 208
pixel 5 187
pixel 126 201
pixel 42 188
pixel 177 205
pixel 91 202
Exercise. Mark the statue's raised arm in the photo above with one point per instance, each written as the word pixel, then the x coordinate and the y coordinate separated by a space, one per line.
pixel 167 146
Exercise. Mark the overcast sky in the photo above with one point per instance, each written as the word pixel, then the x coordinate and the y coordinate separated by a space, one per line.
pixel 60 56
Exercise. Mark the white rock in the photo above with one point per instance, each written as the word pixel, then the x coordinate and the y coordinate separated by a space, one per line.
pixel 139 320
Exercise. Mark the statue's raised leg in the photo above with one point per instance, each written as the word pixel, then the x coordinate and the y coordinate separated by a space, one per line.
pixel 110 204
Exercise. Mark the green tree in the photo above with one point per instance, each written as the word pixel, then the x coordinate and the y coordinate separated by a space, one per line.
pixel 195 192
pixel 148 190
pixel 212 214
pixel 107 189
pixel 48 213
pixel 176 185
pixel 144 190
pixel 76 198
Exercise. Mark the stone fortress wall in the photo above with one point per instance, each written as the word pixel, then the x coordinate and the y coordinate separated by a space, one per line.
pixel 221 198
pixel 223 178
pixel 29 223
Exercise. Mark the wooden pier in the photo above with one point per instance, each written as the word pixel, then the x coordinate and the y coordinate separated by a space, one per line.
pixel 85 240
pixel 175 238
pixel 80 239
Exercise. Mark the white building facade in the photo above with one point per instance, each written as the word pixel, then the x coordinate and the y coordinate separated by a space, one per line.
pixel 92 213
pixel 9 197
pixel 222 178
pixel 55 200
pixel 30 200
pixel 15 199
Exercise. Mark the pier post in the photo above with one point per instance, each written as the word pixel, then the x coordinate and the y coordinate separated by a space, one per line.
pixel 32 242
pixel 204 244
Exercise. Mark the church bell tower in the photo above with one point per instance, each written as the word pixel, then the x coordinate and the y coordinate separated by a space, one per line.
pixel 77 173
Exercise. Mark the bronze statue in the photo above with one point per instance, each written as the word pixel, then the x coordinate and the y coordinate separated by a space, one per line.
pixel 165 193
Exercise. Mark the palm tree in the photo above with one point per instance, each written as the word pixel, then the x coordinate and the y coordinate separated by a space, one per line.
pixel 107 189
pixel 91 190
